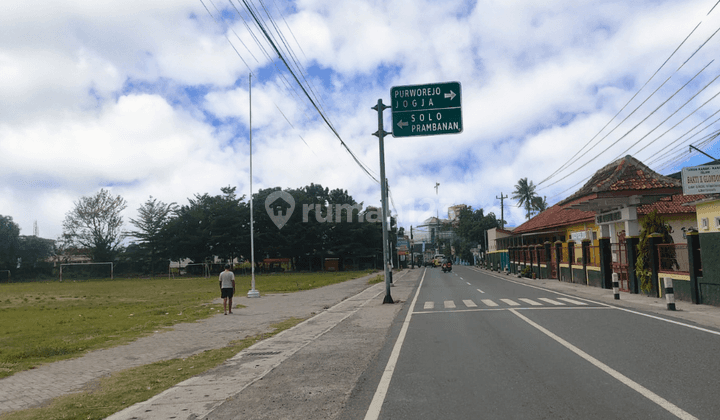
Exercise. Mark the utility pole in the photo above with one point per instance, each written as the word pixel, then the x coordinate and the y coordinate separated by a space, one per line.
pixel 502 210
pixel 381 133
pixel 437 219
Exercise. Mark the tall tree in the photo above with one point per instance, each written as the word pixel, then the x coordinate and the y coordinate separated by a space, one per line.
pixel 96 224
pixel 525 194
pixel 471 229
pixel 540 204
pixel 9 243
pixel 209 226
pixel 152 217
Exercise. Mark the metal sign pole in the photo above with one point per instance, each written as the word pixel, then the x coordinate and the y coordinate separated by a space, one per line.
pixel 381 133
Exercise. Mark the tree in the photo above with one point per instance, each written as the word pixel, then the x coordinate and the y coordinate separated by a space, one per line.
pixel 539 204
pixel 525 194
pixel 152 217
pixel 9 243
pixel 471 229
pixel 34 251
pixel 209 226
pixel 651 223
pixel 96 224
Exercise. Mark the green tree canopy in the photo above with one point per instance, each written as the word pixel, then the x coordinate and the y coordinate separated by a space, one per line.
pixel 152 217
pixel 9 243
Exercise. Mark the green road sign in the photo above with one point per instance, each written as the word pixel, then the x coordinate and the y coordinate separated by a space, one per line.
pixel 426 110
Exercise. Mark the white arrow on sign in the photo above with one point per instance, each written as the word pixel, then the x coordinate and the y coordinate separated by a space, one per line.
pixel 402 124
pixel 450 95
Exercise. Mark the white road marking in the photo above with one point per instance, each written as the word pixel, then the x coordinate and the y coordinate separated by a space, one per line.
pixel 510 302
pixel 530 301
pixel 376 405
pixel 574 302
pixel 552 302
pixel 429 305
pixel 606 305
pixel 662 402
pixel 480 291
pixel 489 302
pixel 668 320
pixel 468 283
pixel 469 303
pixel 449 304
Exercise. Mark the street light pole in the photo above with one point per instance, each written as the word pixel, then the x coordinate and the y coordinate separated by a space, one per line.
pixel 252 293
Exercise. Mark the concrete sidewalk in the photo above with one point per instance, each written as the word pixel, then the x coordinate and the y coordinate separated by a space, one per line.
pixel 306 372
pixel 38 386
pixel 701 315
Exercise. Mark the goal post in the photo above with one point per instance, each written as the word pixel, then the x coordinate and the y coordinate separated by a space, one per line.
pixel 205 268
pixel 112 268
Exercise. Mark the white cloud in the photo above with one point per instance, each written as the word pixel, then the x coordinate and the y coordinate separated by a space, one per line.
pixel 149 98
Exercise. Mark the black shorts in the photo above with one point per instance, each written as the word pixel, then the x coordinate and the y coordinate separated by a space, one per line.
pixel 227 292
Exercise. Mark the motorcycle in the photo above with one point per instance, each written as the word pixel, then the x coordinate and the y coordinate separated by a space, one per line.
pixel 447 267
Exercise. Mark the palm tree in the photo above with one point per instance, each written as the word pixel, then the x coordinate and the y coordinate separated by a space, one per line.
pixel 540 204
pixel 525 194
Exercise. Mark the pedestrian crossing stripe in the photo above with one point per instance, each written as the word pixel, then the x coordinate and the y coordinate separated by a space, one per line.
pixel 552 302
pixel 468 303
pixel 574 302
pixel 530 302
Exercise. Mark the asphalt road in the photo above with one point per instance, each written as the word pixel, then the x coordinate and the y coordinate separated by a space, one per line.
pixel 472 345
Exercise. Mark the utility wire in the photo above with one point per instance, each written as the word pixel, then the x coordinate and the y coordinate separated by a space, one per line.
pixel 636 126
pixel 277 51
pixel 251 72
pixel 670 116
pixel 678 69
pixel 572 159
pixel 664 155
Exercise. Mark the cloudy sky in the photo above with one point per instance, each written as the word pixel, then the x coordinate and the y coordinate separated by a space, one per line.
pixel 150 98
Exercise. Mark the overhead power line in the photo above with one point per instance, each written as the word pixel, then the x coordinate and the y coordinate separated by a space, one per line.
pixel 589 146
pixel 572 159
pixel 270 40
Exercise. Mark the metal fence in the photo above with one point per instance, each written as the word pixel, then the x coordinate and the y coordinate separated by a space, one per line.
pixel 673 258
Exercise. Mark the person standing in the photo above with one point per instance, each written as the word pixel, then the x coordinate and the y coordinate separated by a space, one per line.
pixel 227 287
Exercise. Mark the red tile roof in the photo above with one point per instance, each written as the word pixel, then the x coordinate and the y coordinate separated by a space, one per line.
pixel 556 216
pixel 626 174
pixel 672 205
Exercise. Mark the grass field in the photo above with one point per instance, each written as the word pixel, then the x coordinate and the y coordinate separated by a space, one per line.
pixel 128 387
pixel 49 321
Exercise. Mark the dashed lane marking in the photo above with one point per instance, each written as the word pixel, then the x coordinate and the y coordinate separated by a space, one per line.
pixel 480 291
